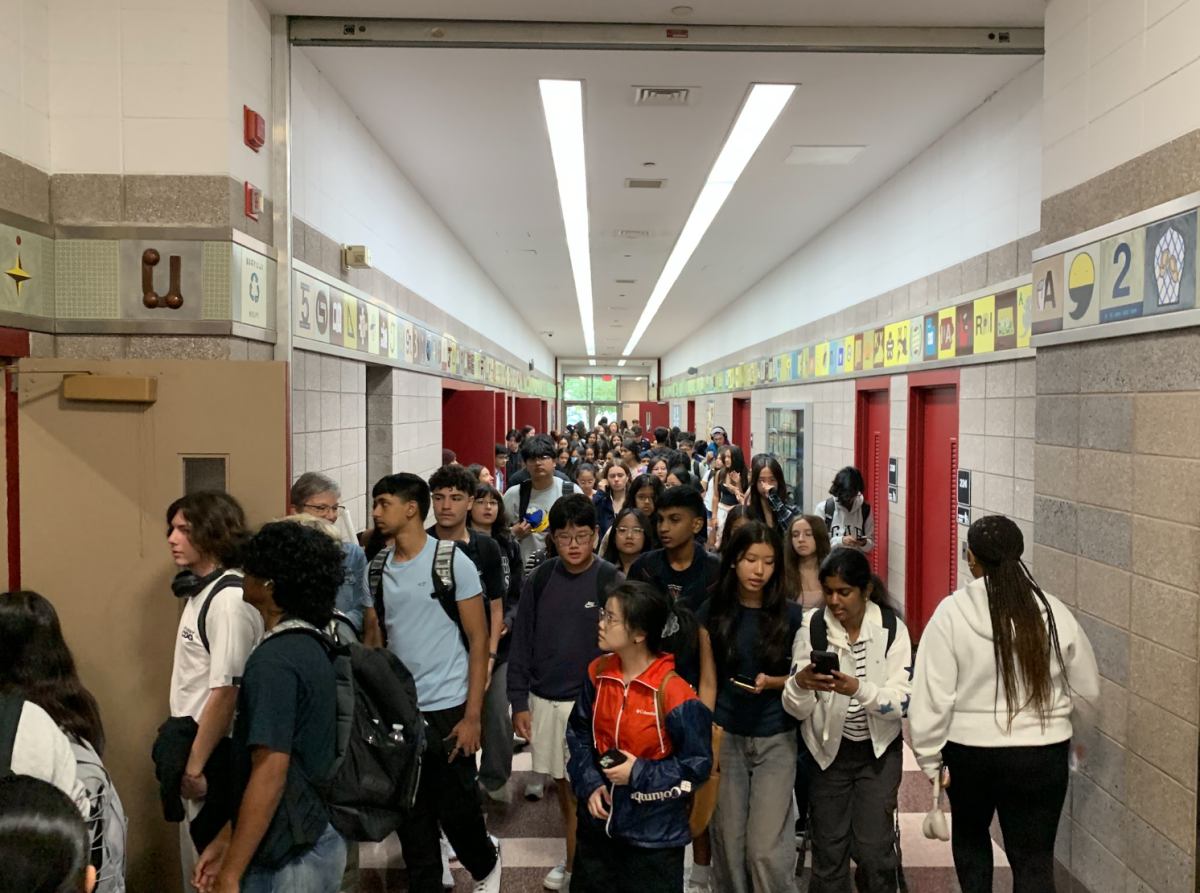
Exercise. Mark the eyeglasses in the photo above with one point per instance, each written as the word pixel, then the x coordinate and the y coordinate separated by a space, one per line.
pixel 630 531
pixel 487 503
pixel 579 539
pixel 325 509
pixel 608 617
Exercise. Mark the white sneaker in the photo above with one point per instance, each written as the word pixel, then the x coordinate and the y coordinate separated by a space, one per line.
pixel 501 795
pixel 447 855
pixel 700 879
pixel 534 790
pixel 557 876
pixel 491 883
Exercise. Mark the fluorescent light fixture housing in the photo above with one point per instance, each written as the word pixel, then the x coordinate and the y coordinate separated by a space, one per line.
pixel 562 102
pixel 621 363
pixel 591 362
pixel 823 155
pixel 759 112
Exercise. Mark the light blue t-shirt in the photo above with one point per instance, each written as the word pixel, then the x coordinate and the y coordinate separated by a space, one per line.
pixel 354 594
pixel 418 630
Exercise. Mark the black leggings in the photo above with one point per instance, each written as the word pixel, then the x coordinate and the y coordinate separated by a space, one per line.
pixel 1026 786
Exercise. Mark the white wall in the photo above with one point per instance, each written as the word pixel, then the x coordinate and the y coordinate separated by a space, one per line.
pixel 345 185
pixel 1122 78
pixel 24 82
pixel 976 188
pixel 155 88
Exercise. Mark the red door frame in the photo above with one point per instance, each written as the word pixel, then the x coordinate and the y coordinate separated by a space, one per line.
pixel 918 604
pixel 691 416
pixel 741 435
pixel 877 477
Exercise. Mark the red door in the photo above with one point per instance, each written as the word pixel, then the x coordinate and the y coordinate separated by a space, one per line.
pixel 654 415
pixel 691 416
pixel 545 425
pixel 932 523
pixel 741 426
pixel 528 411
pixel 872 428
pixel 468 424
pixel 501 416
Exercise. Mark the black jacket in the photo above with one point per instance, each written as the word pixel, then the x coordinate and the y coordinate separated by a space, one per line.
pixel 170 753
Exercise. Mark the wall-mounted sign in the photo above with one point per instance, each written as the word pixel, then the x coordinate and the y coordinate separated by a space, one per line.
pixel 964 515
pixel 964 487
pixel 893 471
pixel 893 494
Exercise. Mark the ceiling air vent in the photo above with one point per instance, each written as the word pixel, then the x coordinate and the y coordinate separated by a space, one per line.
pixel 669 96
pixel 631 234
pixel 642 183
pixel 625 281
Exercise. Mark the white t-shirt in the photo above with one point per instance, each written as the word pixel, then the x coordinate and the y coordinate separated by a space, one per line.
pixel 233 629
pixel 537 513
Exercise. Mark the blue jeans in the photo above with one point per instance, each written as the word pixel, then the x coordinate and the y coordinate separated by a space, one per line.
pixel 317 871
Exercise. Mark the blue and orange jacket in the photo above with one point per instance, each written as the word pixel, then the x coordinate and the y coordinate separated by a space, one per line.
pixel 673 750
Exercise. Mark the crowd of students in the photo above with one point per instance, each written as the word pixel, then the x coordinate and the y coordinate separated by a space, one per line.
pixel 691 658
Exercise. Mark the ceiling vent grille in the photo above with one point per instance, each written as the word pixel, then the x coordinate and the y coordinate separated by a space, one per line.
pixel 643 183
pixel 632 234
pixel 625 281
pixel 668 96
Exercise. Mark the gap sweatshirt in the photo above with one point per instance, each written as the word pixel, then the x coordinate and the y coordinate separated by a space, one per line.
pixel 957 694
pixel 848 522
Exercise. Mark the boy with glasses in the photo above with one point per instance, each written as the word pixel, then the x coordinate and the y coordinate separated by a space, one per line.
pixel 529 497
pixel 554 641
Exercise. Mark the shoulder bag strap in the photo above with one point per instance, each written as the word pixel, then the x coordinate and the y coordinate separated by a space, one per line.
pixel 10 719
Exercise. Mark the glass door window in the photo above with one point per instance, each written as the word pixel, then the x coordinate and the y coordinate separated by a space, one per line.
pixel 578 412
pixel 785 442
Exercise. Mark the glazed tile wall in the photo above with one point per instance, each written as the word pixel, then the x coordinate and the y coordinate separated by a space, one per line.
pixel 24 82
pixel 1117 532
pixel 404 423
pixel 329 425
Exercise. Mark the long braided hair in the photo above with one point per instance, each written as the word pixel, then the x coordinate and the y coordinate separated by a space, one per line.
pixel 1021 641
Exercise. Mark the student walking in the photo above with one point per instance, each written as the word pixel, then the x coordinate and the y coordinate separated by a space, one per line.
pixel 444 643
pixel 806 547
pixel 851 724
pixel 554 641
pixel 285 733
pixel 999 669
pixel 846 512
pixel 528 503
pixel 628 539
pixel 639 741
pixel 611 499
pixel 749 627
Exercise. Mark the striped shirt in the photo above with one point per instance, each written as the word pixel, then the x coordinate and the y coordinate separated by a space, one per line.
pixel 855 728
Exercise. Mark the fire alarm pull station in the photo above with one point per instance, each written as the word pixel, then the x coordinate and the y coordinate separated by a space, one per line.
pixel 254 201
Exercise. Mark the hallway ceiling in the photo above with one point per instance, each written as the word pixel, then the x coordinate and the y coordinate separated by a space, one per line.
pixel 466 127
pixel 927 13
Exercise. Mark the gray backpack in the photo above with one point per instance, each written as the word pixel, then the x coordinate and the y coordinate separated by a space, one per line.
pixel 107 823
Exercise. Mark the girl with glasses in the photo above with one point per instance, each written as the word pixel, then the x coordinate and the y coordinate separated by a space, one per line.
pixel 629 537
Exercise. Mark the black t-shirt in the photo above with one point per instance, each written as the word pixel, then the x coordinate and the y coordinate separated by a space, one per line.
pixel 691 587
pixel 287 703
pixel 741 712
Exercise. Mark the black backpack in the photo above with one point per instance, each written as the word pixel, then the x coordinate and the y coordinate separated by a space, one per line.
pixel 829 507
pixel 224 582
pixel 380 739
pixel 443 586
pixel 526 492
pixel 818 631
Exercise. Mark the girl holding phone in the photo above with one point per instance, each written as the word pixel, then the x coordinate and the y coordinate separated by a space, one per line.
pixel 639 741
pixel 850 695
pixel 749 625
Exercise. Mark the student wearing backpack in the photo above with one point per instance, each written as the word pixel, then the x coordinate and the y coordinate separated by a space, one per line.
pixel 44 844
pixel 528 502
pixel 633 816
pixel 846 512
pixel 429 612
pixel 39 670
pixel 285 732
pixel 554 641
pixel 217 632
pixel 851 724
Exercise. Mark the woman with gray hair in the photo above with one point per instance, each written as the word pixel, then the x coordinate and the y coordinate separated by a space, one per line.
pixel 317 494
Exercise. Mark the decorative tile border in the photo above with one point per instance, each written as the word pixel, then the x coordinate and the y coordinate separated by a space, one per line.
pixel 992 323
pixel 330 316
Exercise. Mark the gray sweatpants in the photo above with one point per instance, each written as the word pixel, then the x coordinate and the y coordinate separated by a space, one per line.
pixel 495 763
pixel 753 826
pixel 854 802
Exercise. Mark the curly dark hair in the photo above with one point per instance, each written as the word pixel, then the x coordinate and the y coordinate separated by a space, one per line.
pixel 304 564
pixel 217 522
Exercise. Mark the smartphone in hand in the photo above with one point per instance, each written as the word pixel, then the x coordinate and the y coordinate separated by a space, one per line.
pixel 824 662
pixel 612 757
pixel 744 682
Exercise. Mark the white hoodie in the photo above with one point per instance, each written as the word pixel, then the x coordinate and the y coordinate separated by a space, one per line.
pixel 884 693
pixel 957 694
pixel 848 522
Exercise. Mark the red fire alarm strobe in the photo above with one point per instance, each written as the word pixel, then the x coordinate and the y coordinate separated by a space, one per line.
pixel 254 201
pixel 255 127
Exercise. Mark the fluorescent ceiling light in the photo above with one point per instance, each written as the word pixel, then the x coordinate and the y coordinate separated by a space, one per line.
pixel 758 114
pixel 591 362
pixel 562 101
pixel 621 363
pixel 821 155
